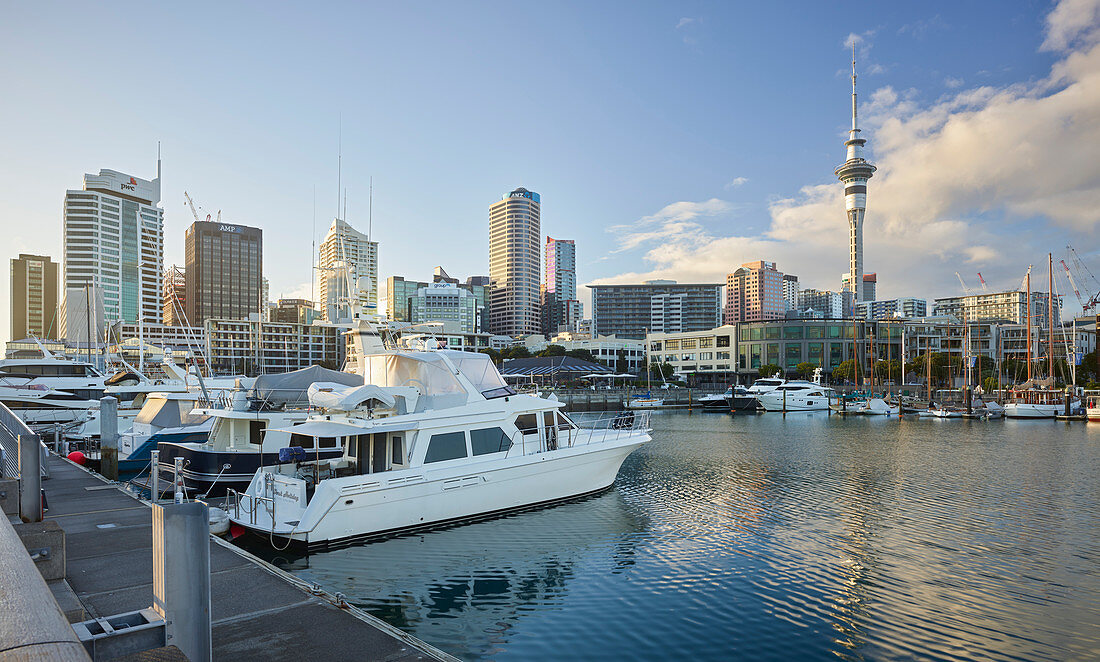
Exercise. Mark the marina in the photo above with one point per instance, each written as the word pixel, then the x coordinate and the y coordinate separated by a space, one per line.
pixel 772 537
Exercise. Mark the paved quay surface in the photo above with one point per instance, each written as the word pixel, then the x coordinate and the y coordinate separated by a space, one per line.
pixel 257 613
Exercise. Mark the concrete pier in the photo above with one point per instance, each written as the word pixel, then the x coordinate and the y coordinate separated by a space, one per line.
pixel 257 611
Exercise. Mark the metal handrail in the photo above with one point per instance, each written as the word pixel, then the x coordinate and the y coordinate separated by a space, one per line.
pixel 614 425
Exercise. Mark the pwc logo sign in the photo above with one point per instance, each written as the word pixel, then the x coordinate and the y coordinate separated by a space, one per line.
pixel 129 186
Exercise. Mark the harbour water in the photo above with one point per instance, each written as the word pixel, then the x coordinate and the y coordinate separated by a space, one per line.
pixel 771 537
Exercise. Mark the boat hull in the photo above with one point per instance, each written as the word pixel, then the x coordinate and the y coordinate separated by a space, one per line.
pixel 363 507
pixel 772 402
pixel 1029 410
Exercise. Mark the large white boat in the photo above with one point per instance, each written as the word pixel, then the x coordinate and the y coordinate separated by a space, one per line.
pixel 1092 406
pixel 796 395
pixel 432 437
pixel 50 389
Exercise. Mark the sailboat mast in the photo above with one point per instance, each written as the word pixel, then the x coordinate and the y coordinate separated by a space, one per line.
pixel 1050 315
pixel 1027 316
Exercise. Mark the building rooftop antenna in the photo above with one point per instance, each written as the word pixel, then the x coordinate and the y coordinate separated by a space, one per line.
pixel 370 207
pixel 855 125
pixel 339 160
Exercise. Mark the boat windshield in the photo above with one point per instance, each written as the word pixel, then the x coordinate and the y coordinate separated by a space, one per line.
pixel 767 382
pixel 425 371
pixel 168 413
pixel 481 372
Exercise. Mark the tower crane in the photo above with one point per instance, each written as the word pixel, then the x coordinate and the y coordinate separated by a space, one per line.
pixel 966 289
pixel 191 204
pixel 982 281
pixel 1093 297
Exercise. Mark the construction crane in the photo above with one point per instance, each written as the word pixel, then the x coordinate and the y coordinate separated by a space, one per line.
pixel 1079 266
pixel 982 281
pixel 1073 284
pixel 191 204
pixel 961 282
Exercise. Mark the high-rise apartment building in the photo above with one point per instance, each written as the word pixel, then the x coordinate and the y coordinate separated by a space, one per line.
pixel 174 300
pixel 34 297
pixel 656 306
pixel 514 269
pixel 456 308
pixel 790 291
pixel 114 242
pixel 561 310
pixel 224 266
pixel 754 293
pixel 348 262
pixel 892 308
pixel 1011 306
pixel 829 305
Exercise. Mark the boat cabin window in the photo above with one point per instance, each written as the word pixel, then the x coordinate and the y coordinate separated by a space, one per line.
pixel 489 440
pixel 326 442
pixel 527 423
pixel 301 440
pixel 256 431
pixel 397 454
pixel 564 423
pixel 446 446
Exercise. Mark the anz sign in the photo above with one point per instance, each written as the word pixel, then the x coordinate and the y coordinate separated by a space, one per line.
pixel 525 194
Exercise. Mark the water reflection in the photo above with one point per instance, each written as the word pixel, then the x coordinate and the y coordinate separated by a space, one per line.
pixel 772 537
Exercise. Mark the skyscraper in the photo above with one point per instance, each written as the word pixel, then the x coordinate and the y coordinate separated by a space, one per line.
pixel 560 306
pixel 174 301
pixel 514 270
pixel 855 172
pixel 34 297
pixel 223 267
pixel 114 241
pixel 348 258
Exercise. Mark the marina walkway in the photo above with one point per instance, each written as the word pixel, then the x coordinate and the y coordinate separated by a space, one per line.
pixel 257 613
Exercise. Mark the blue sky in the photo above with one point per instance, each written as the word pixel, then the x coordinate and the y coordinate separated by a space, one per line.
pixel 669 140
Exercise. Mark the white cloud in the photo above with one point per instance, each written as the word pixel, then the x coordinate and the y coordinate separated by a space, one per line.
pixel 1070 20
pixel 952 82
pixel 685 21
pixel 736 182
pixel 985 177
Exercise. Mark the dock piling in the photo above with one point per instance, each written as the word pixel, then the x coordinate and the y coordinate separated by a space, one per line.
pixel 154 476
pixel 108 437
pixel 181 576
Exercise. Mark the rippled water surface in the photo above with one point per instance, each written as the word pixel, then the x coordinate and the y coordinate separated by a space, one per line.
pixel 772 537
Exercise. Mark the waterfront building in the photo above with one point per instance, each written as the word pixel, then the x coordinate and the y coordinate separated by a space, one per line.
pixel 514 270
pixel 232 347
pixel 854 173
pixel 754 293
pixel 826 343
pixel 401 295
pixel 710 355
pixel 34 297
pixel 174 297
pixel 28 348
pixel 223 271
pixel 1009 306
pixel 606 349
pixel 114 244
pixel 791 289
pixel 191 338
pixel 347 262
pixel 900 307
pixel 660 306
pixel 827 304
pixel 560 307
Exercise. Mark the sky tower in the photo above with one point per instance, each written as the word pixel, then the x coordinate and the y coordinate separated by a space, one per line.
pixel 855 172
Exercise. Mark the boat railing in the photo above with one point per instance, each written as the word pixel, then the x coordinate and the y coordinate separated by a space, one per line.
pixel 250 503
pixel 608 426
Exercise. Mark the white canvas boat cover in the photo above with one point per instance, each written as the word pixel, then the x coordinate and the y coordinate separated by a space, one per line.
pixel 346 398
pixel 293 387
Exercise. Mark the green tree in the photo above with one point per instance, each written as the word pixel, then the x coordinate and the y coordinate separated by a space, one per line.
pixel 656 371
pixel 845 371
pixel 621 366
pixel 805 369
pixel 494 355
pixel 582 354
pixel 770 370
pixel 552 350
pixel 516 352
pixel 888 369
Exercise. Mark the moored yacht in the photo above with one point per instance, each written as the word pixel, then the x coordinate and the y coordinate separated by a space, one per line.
pixel 432 437
pixel 796 395
pixel 1037 403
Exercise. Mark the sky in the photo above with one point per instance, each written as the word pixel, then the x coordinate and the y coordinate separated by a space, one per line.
pixel 669 140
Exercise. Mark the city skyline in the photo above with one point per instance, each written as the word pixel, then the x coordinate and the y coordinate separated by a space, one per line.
pixel 686 190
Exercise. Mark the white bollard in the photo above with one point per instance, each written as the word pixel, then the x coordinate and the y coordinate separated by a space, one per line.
pixel 154 476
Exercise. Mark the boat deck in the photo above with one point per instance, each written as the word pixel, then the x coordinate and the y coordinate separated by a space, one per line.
pixel 258 612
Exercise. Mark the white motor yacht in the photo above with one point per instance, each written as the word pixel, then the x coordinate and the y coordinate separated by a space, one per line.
pixel 50 389
pixel 796 395
pixel 433 437
pixel 1037 403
